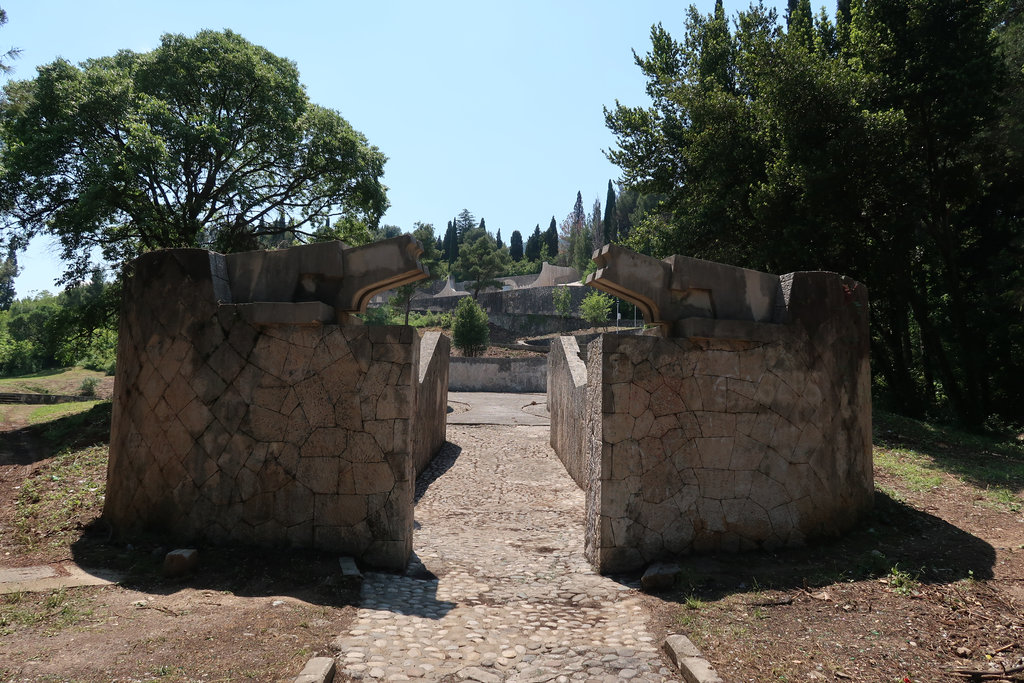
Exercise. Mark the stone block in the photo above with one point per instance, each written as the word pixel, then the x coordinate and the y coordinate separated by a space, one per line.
pixel 180 562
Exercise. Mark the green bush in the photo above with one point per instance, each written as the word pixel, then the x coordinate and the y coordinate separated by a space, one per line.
pixel 88 386
pixel 470 333
pixel 596 307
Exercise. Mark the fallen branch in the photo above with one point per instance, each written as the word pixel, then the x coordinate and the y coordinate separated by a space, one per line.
pixel 988 675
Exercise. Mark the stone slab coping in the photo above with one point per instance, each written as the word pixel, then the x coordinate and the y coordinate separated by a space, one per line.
pixel 317 670
pixel 47 577
pixel 685 655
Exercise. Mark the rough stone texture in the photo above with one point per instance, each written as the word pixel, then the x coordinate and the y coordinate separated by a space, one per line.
pixel 510 375
pixel 736 435
pixel 432 399
pixel 567 394
pixel 232 427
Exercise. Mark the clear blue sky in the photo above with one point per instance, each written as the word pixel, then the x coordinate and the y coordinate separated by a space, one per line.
pixel 493 107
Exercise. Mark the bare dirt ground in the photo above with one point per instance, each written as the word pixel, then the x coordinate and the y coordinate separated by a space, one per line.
pixel 929 588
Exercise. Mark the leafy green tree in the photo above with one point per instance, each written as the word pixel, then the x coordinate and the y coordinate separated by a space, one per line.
pixel 596 307
pixel 515 246
pixel 470 333
pixel 481 261
pixel 881 147
pixel 431 258
pixel 190 145
pixel 562 299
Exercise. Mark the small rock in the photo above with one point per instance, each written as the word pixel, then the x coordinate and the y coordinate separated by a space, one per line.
pixel 659 576
pixel 349 568
pixel 964 652
pixel 180 562
pixel 317 670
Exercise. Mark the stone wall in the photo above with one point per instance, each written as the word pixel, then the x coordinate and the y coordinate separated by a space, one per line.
pixel 513 375
pixel 432 399
pixel 733 435
pixel 567 406
pixel 263 423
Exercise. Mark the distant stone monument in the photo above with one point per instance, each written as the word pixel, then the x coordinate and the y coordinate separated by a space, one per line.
pixel 250 406
pixel 742 419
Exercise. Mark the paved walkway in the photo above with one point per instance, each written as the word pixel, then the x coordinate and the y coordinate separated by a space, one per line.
pixel 498 589
pixel 490 408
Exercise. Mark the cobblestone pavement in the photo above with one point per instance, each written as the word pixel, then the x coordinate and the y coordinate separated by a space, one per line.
pixel 498 589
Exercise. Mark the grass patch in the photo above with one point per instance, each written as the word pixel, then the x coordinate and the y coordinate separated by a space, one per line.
pixel 912 467
pixel 48 413
pixel 66 381
pixel 916 451
pixel 51 612
pixel 57 501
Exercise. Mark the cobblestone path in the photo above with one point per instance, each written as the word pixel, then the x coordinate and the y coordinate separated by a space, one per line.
pixel 498 589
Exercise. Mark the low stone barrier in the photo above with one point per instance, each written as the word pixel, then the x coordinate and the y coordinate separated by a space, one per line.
pixel 568 407
pixel 513 375
pixel 431 399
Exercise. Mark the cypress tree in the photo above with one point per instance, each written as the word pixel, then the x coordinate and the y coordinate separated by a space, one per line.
pixel 610 233
pixel 551 238
pixel 515 246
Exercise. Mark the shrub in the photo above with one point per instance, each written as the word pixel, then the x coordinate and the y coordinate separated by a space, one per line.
pixel 596 307
pixel 88 386
pixel 470 333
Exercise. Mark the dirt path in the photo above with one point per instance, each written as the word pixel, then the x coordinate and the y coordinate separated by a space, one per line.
pixel 499 589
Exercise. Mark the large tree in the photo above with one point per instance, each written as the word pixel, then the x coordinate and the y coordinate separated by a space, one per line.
pixel 194 144
pixel 886 146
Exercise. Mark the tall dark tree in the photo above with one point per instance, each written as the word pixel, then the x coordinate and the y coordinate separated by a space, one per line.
pixel 497 235
pixel 515 246
pixel 551 239
pixel 904 174
pixel 533 244
pixel 451 244
pixel 610 233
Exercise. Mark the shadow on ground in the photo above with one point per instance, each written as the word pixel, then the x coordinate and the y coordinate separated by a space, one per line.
pixel 310 576
pixel 894 535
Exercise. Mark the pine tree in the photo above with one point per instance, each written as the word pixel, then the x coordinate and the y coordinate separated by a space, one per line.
pixel 497 236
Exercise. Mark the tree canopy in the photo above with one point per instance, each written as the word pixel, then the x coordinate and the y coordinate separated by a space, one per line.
pixel 198 143
pixel 887 144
